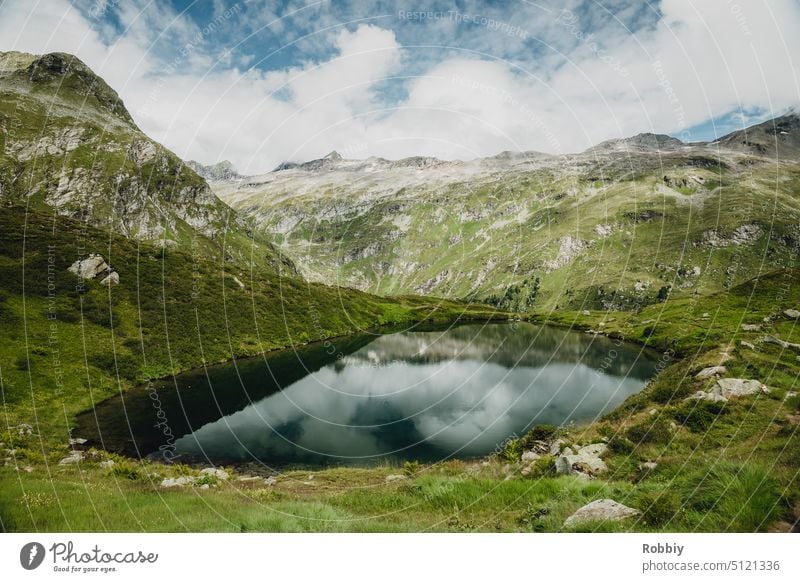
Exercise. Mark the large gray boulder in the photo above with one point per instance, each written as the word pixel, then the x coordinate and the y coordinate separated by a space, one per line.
pixel 585 460
pixel 89 267
pixel 601 510
pixel 726 388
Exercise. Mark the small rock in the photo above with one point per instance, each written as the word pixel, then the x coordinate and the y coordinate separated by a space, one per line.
pixel 710 372
pixel 586 312
pixel 177 481
pixel 248 478
pixel 790 394
pixel 392 478
pixel 204 486
pixel 27 469
pixel 107 464
pixel 792 313
pixel 74 457
pixel 648 465
pixel 530 456
pixel 77 441
pixel 751 327
pixel 555 446
pixel 214 472
pixel 747 345
pixel 270 481
pixel 653 412
pixel 601 510
pixel 24 429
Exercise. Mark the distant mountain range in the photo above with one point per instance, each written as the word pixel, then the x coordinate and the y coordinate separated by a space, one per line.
pixel 621 224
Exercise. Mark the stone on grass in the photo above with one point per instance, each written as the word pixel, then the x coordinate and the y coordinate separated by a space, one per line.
pixel 711 372
pixel 73 458
pixel 751 327
pixel 530 456
pixel 107 464
pixel 392 478
pixel 601 510
pixel 792 314
pixel 177 481
pixel 220 474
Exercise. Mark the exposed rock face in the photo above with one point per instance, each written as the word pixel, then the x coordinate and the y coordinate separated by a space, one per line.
pixel 601 510
pixel 726 388
pixel 142 151
pixel 568 249
pixel 88 159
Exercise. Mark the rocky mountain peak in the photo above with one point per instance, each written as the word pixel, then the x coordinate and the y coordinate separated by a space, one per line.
pixel 333 156
pixel 641 142
pixel 65 76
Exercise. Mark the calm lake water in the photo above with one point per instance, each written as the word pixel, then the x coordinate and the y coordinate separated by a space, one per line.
pixel 428 395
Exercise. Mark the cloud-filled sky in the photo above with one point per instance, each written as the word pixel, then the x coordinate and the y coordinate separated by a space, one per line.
pixel 259 82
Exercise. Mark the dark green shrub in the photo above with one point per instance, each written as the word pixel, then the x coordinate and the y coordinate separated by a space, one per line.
pixel 22 364
pixel 699 415
pixel 540 432
pixel 655 430
pixel 531 518
pixel 411 468
pixel 126 472
pixel 543 467
pixel 619 444
pixel 659 508
pixel 512 450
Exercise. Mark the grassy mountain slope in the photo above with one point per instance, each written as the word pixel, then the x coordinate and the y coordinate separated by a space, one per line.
pixel 67 143
pixel 619 226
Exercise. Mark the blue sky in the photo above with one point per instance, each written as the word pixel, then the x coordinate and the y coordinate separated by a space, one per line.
pixel 262 81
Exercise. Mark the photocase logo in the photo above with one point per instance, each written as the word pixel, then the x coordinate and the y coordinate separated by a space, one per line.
pixel 31 555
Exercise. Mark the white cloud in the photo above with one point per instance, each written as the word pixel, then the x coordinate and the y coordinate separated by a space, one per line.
pixel 701 60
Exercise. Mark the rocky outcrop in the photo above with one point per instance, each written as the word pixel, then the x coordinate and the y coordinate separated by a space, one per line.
pixel 727 388
pixel 586 460
pixel 569 248
pixel 601 510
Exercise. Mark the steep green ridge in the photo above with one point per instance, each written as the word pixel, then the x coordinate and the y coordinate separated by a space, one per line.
pixel 620 226
pixel 68 143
